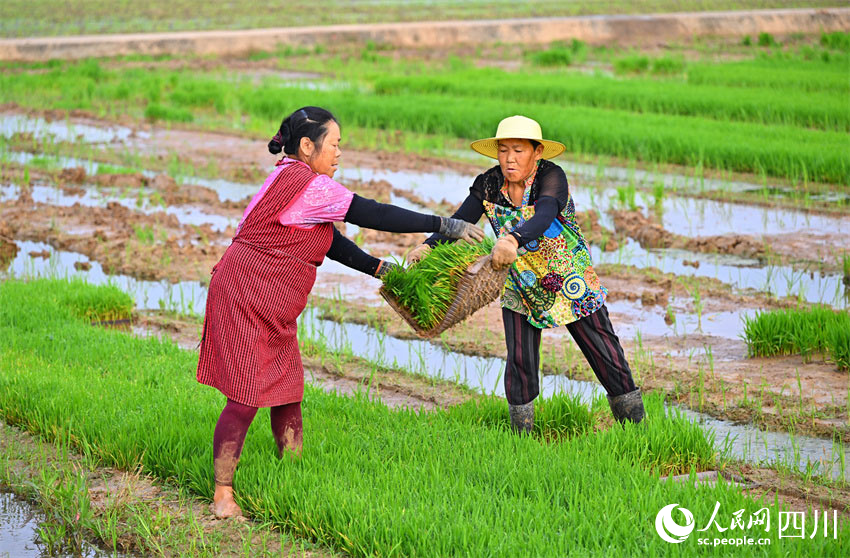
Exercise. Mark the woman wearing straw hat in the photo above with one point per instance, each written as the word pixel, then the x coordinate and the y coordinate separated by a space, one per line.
pixel 551 281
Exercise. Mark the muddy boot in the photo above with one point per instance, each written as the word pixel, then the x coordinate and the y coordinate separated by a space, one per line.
pixel 628 406
pixel 522 417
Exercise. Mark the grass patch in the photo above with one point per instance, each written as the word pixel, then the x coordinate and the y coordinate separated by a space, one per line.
pixel 800 331
pixel 372 481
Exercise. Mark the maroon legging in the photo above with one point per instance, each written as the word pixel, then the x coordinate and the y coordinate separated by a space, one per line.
pixel 233 425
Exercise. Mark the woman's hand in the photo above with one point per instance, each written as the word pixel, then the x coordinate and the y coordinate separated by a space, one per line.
pixel 461 230
pixel 418 253
pixel 385 267
pixel 504 252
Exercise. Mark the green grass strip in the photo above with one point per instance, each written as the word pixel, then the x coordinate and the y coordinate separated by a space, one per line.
pixel 428 288
pixel 829 111
pixel 782 74
pixel 800 331
pixel 372 481
pixel 782 151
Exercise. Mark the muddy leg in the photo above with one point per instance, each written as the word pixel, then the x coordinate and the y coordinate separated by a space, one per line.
pixel 288 429
pixel 229 436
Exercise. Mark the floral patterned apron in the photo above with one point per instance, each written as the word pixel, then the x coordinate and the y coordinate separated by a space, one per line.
pixel 552 282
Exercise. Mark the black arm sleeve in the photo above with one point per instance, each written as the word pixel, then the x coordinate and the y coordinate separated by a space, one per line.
pixel 545 211
pixel 470 211
pixel 368 213
pixel 350 255
pixel 553 184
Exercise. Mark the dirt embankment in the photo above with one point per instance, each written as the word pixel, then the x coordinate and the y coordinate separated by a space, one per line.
pixel 598 30
pixel 651 234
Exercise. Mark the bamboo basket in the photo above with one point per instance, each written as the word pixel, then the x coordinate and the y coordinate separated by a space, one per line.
pixel 479 286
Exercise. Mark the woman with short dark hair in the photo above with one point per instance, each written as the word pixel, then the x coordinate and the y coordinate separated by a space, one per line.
pixel 551 282
pixel 249 349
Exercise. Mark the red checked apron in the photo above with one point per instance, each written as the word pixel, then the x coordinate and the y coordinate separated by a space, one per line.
pixel 249 349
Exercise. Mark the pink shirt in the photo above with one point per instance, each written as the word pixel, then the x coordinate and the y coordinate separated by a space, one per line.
pixel 324 200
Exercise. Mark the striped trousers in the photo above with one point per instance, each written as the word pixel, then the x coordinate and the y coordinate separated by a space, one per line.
pixel 593 334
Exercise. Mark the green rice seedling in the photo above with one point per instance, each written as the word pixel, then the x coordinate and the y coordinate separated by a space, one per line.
pixel 837 40
pixel 764 74
pixel 155 112
pixel 766 40
pixel 554 56
pixel 845 266
pixel 805 331
pixel 631 64
pixel 667 65
pixel 747 41
pixel 777 150
pixel 427 288
pixel 838 346
pixel 372 479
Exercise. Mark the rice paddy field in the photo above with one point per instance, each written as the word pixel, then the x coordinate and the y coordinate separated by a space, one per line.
pixel 711 179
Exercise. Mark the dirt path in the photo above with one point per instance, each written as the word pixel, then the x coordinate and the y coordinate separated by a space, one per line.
pixel 622 29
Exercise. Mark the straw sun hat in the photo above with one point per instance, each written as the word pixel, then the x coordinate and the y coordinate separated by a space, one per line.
pixel 518 127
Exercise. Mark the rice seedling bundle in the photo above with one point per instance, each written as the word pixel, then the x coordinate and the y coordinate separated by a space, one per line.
pixel 800 331
pixel 427 289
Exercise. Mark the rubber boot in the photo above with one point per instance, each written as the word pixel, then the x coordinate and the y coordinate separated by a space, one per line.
pixel 628 406
pixel 522 417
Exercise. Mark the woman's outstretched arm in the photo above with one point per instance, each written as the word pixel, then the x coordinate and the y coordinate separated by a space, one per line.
pixel 349 254
pixel 371 214
pixel 470 211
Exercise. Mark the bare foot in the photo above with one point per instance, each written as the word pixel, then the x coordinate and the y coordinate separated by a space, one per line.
pixel 224 505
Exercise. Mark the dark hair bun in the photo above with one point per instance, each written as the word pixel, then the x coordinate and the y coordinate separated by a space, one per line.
pixel 275 146
pixel 280 138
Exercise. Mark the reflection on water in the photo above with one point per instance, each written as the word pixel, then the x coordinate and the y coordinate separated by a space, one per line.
pixel 778 280
pixel 95 197
pixel 19 523
pixel 63 130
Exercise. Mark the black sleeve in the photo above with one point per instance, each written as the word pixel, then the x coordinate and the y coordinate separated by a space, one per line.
pixel 553 184
pixel 350 255
pixel 470 211
pixel 545 211
pixel 368 213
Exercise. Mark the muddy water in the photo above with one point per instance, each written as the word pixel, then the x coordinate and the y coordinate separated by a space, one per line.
pixel 778 280
pixel 95 197
pixel 64 130
pixel 741 273
pixel 485 376
pixel 680 215
pixel 185 297
pixel 725 325
pixel 19 523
